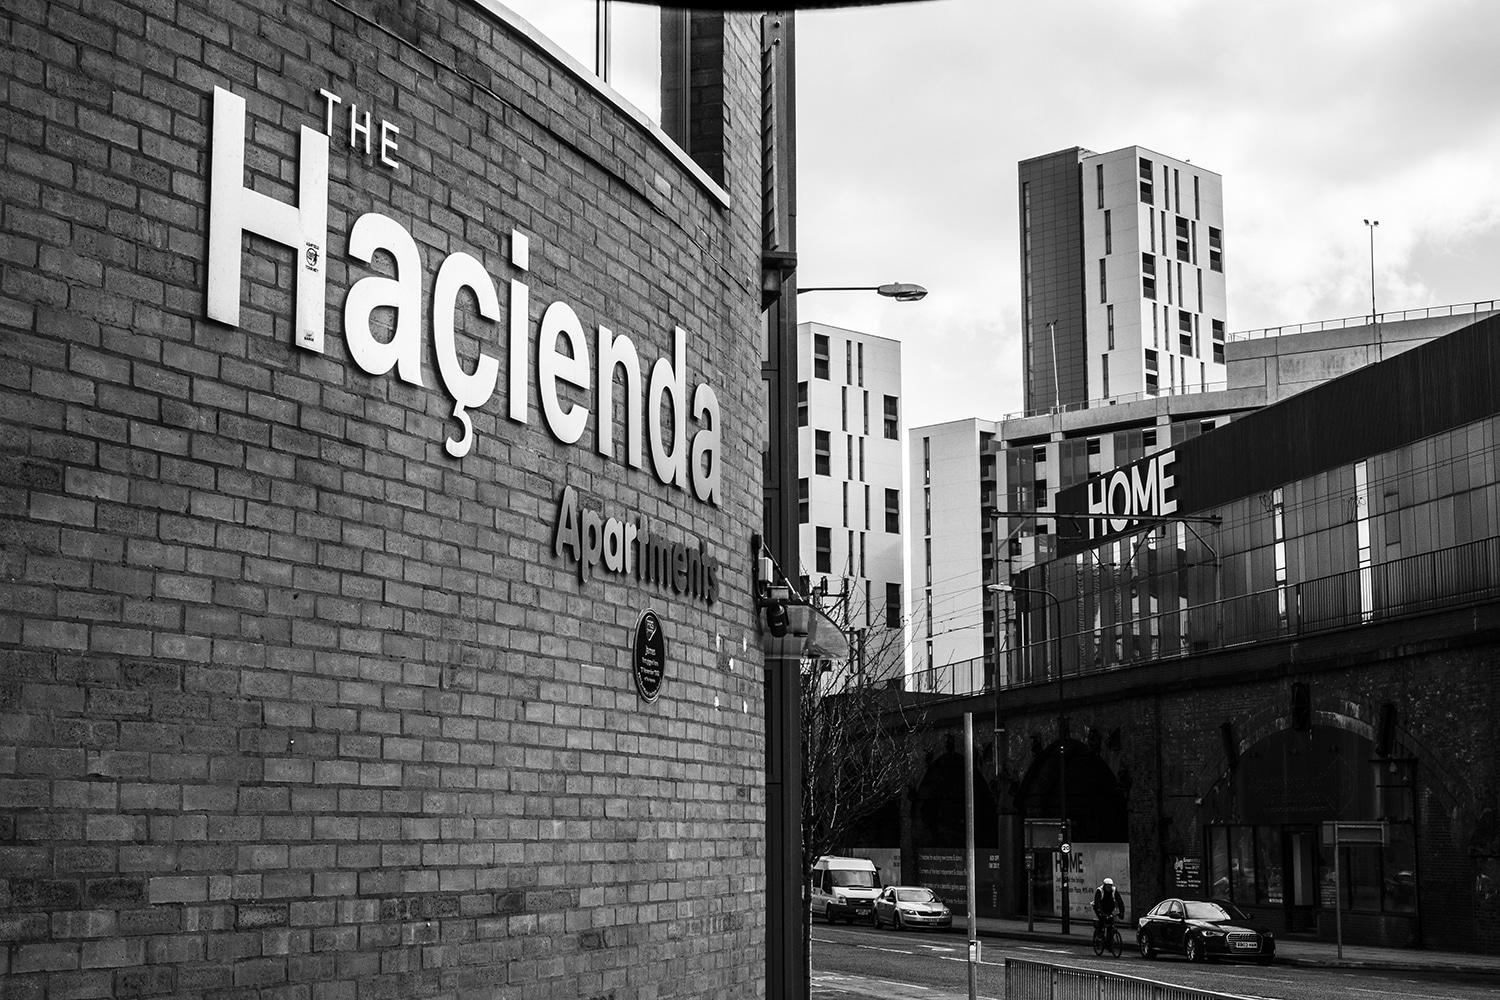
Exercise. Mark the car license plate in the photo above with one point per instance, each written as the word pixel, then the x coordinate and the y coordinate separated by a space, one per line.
pixel 861 911
pixel 1249 945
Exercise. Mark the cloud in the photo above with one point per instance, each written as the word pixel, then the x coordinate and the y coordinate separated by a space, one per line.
pixel 912 119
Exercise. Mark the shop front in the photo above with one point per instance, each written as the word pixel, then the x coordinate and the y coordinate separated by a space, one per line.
pixel 1312 830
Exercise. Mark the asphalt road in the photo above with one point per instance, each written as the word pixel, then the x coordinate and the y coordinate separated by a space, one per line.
pixel 861 963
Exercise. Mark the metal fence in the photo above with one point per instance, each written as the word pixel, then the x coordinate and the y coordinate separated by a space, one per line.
pixel 1401 588
pixel 1040 981
pixel 1476 309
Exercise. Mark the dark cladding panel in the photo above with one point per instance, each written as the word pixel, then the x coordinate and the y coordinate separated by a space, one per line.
pixel 1437 386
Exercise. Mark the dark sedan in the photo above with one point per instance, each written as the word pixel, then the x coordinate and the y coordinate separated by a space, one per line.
pixel 1203 929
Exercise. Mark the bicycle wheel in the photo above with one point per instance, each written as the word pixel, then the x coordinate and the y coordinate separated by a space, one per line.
pixel 1098 941
pixel 1115 944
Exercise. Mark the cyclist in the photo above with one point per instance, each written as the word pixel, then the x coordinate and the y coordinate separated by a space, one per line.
pixel 1107 901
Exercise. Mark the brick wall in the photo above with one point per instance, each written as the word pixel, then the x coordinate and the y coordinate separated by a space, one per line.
pixel 1168 740
pixel 292 703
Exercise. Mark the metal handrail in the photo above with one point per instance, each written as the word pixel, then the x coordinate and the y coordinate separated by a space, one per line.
pixel 1402 588
pixel 1290 329
pixel 1044 981
pixel 1401 316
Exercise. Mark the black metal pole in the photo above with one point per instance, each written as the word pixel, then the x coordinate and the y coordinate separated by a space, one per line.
pixel 1062 758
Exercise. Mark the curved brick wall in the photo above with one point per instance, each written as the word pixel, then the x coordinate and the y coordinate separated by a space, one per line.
pixel 294 701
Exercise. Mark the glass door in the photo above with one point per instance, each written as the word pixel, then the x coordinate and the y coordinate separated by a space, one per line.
pixel 1299 859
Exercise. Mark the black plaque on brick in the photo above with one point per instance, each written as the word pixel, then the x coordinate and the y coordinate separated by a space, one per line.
pixel 649 656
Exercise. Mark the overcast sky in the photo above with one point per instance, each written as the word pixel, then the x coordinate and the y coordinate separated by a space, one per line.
pixel 1316 114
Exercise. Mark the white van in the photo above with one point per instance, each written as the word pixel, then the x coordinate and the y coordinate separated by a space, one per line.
pixel 843 888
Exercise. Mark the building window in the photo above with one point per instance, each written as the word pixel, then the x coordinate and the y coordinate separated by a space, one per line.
pixel 1197 214
pixel 1155 332
pixel 1099 187
pixel 1151 221
pixel 893 512
pixel 892 419
pixel 822 462
pixel 801 404
pixel 1184 251
pixel 849 457
pixel 1109 239
pixel 1109 322
pixel 860 348
pixel 1145 174
pixel 844 408
pixel 825 549
pixel 845 486
pixel 1215 249
pixel 927 512
pixel 893 605
pixel 848 362
pixel 867 506
pixel 927 460
pixel 820 356
pixel 1148 276
pixel 1104 368
pixel 1218 340
pixel 1039 493
pixel 861 459
pixel 864 399
pixel 802 500
pixel 1177 188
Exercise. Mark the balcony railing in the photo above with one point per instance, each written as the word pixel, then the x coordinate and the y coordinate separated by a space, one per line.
pixel 1401 588
pixel 1431 312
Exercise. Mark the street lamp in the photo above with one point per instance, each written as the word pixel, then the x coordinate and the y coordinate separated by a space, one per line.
pixel 901 291
pixel 1370 224
pixel 1062 734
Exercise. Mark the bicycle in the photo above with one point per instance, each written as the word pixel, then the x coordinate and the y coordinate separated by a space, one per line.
pixel 1107 935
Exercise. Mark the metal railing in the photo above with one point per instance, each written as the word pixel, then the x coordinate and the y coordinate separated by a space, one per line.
pixel 962 677
pixel 1165 392
pixel 1476 309
pixel 1462 574
pixel 1041 981
pixel 1401 588
pixel 1404 315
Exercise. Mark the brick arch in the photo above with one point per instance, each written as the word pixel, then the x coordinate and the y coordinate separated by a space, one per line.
pixel 1350 713
pixel 1096 804
pixel 933 799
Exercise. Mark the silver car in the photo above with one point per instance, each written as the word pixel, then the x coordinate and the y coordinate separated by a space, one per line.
pixel 904 906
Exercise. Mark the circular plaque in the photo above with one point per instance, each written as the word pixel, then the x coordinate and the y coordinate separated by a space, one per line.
pixel 649 656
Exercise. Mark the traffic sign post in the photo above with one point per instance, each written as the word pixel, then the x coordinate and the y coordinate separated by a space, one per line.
pixel 1340 834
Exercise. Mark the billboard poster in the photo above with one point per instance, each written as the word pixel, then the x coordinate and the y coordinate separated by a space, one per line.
pixel 1087 865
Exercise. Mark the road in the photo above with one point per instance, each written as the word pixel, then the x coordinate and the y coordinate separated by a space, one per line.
pixel 861 962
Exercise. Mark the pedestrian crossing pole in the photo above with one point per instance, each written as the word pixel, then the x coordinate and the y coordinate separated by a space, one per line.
pixel 969 848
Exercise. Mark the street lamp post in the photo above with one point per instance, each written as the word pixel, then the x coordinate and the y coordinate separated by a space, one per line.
pixel 1062 736
pixel 901 291
pixel 1370 224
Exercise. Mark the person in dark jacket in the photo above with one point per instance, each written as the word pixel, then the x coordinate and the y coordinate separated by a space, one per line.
pixel 1107 901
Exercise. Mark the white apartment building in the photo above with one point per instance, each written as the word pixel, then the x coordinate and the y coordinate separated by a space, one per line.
pixel 850 447
pixel 1122 277
pixel 952 481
